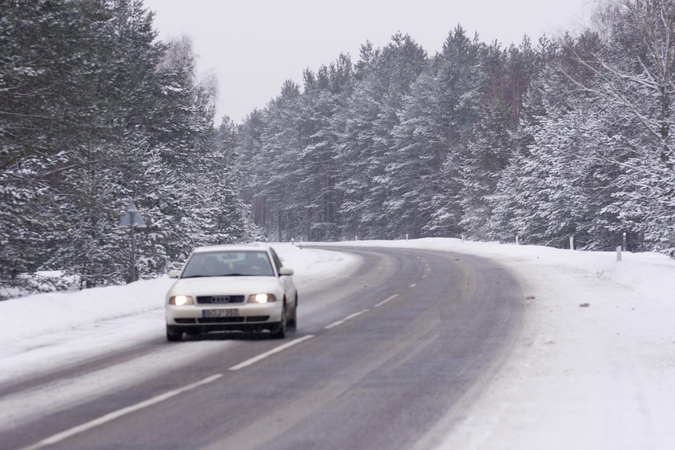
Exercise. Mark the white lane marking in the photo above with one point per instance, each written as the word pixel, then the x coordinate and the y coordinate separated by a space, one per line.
pixel 33 404
pixel 122 412
pixel 262 356
pixel 413 285
pixel 387 300
pixel 340 322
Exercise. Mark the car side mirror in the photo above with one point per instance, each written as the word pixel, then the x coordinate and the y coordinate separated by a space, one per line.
pixel 285 271
pixel 174 273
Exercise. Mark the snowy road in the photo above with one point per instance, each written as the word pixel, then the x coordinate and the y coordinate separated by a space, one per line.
pixel 582 377
pixel 388 356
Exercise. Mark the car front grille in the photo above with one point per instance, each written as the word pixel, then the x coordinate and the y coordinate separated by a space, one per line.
pixel 257 318
pixel 185 320
pixel 233 319
pixel 220 299
pixel 221 320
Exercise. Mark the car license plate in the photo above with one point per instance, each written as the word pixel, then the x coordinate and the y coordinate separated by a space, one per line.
pixel 231 312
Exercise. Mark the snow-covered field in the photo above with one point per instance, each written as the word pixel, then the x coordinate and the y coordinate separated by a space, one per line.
pixel 599 376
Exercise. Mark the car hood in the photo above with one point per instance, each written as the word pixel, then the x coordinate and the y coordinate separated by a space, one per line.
pixel 224 286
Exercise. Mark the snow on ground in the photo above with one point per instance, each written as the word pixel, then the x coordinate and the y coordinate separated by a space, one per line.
pixel 600 376
pixel 595 377
pixel 48 331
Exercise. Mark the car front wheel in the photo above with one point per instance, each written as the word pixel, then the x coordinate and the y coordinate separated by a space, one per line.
pixel 293 321
pixel 280 332
pixel 173 335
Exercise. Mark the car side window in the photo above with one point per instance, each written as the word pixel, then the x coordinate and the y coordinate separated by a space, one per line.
pixel 277 261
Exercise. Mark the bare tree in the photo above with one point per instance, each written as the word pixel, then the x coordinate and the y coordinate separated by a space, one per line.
pixel 635 69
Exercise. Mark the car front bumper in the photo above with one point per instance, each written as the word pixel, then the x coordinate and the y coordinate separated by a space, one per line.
pixel 242 317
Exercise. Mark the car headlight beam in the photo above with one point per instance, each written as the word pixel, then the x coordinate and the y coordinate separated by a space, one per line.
pixel 262 298
pixel 181 300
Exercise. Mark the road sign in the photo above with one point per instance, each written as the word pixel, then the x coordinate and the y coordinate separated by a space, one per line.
pixel 132 218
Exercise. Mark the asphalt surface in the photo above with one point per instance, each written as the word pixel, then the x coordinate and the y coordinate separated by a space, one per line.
pixel 386 358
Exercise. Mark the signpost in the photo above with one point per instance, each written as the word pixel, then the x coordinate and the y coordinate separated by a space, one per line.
pixel 132 219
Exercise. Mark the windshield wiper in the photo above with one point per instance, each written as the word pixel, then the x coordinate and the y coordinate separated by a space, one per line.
pixel 226 275
pixel 245 275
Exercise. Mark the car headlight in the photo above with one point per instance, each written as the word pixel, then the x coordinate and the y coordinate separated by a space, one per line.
pixel 262 298
pixel 180 300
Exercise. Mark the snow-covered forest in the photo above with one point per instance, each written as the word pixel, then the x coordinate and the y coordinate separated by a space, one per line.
pixel 566 136
pixel 96 112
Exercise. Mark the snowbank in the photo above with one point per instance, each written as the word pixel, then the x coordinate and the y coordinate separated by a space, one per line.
pixel 582 377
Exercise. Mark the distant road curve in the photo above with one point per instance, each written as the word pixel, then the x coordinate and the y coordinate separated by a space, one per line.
pixel 386 358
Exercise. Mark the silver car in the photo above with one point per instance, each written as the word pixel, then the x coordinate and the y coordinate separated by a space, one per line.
pixel 232 288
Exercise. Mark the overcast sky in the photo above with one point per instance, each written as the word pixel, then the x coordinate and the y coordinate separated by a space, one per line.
pixel 254 45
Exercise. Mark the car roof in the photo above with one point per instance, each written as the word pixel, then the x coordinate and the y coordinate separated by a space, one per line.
pixel 232 247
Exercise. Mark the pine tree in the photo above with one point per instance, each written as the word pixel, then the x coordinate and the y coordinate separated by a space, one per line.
pixel 95 112
pixel 435 126
pixel 367 145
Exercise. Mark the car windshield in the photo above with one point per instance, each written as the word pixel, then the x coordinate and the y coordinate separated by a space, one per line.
pixel 229 264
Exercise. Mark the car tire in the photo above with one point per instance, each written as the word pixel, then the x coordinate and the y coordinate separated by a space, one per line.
pixel 173 335
pixel 293 322
pixel 280 332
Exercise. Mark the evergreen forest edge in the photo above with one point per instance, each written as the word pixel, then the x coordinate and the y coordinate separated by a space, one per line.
pixel 566 137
